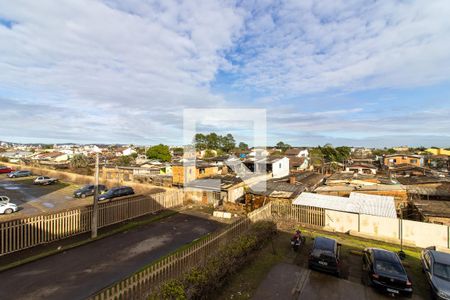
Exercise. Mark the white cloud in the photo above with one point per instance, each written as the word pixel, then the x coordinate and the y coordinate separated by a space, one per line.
pixel 301 47
pixel 124 66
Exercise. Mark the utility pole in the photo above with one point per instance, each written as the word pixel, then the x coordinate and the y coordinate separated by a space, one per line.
pixel 95 208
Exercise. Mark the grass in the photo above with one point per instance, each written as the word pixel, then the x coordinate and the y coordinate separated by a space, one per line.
pixel 126 227
pixel 245 282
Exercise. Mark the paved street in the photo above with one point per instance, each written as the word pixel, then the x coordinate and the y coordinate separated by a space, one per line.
pixel 77 273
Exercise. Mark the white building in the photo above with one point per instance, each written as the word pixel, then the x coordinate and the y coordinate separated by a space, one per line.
pixel 383 206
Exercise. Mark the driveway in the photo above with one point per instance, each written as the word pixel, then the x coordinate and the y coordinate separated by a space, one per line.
pixel 80 272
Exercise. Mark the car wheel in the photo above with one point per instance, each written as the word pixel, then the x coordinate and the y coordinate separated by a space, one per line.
pixel 83 196
pixel 8 211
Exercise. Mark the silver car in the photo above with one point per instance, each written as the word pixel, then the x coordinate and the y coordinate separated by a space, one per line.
pixel 436 266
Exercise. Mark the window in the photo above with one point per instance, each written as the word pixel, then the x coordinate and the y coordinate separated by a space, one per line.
pixel 413 161
pixel 202 171
pixel 216 195
pixel 279 165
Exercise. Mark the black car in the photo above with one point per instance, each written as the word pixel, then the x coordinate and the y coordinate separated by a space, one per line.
pixel 325 255
pixel 436 266
pixel 116 192
pixel 384 271
pixel 88 190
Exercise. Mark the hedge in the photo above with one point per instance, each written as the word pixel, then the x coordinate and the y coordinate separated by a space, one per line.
pixel 202 282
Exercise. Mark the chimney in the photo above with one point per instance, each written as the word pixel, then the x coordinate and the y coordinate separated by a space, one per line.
pixel 292 179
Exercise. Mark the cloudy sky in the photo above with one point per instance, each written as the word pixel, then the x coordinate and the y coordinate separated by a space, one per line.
pixel 373 73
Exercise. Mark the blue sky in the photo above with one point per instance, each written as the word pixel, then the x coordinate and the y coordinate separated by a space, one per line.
pixel 373 73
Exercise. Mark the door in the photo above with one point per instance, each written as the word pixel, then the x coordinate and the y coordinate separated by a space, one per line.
pixel 204 198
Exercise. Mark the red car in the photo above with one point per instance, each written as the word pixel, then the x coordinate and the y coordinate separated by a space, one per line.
pixel 4 170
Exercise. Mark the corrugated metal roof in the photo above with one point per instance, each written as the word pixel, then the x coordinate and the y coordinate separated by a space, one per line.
pixel 375 205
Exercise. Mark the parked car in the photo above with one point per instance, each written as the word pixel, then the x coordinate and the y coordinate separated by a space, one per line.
pixel 4 170
pixel 436 266
pixel 88 190
pixel 7 207
pixel 383 270
pixel 45 180
pixel 20 174
pixel 324 255
pixel 116 192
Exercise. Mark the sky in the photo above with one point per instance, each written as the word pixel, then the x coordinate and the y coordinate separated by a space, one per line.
pixel 359 73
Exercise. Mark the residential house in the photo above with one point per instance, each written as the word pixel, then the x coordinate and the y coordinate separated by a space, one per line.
pixel 432 211
pixel 277 166
pixel 438 151
pixel 263 192
pixel 258 153
pixel 216 190
pixel 438 162
pixel 298 158
pixel 296 152
pixel 399 159
pixel 186 172
pixel 361 168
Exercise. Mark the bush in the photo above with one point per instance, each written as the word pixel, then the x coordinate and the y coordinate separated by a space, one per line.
pixel 202 282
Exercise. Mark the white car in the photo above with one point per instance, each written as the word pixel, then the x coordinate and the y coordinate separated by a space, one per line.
pixel 6 207
pixel 44 180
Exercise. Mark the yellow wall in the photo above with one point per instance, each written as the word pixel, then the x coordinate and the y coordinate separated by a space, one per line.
pixel 191 173
pixel 439 151
pixel 400 159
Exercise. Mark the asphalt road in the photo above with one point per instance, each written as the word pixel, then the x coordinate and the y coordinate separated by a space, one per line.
pixel 80 272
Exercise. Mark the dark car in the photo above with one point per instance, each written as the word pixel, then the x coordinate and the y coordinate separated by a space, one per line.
pixel 116 192
pixel 324 255
pixel 4 170
pixel 88 190
pixel 436 266
pixel 384 271
pixel 19 174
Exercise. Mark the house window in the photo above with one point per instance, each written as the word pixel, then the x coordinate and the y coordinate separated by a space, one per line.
pixel 413 161
pixel 202 171
pixel 279 165
pixel 216 195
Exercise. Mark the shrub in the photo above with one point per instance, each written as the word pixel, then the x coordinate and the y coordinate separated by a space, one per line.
pixel 202 281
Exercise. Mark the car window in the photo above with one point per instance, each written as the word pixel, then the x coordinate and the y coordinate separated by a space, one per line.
pixel 427 260
pixel 388 267
pixel 441 271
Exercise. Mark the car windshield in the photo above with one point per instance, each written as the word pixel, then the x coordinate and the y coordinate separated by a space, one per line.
pixel 388 267
pixel 442 271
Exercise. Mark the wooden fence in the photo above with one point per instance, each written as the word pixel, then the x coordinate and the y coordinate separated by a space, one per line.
pixel 29 232
pixel 142 284
pixel 302 214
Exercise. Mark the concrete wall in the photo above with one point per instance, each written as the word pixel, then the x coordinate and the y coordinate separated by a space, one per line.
pixel 340 221
pixel 425 234
pixel 280 168
pixel 415 233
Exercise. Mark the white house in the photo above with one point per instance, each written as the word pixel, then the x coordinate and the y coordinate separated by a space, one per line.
pixel 297 152
pixel 278 166
pixel 128 151
pixel 258 153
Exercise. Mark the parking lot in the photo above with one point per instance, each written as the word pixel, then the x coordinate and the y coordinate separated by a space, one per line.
pixel 277 272
pixel 36 199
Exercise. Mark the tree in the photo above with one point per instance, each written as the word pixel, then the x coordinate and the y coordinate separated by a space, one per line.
pixel 212 141
pixel 125 160
pixel 79 161
pixel 227 142
pixel 243 146
pixel 209 153
pixel 282 146
pixel 160 152
pixel 200 141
